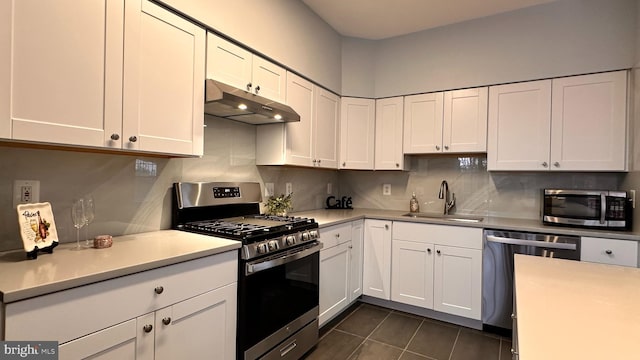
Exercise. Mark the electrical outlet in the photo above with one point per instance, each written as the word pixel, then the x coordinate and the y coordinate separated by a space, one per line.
pixel 386 189
pixel 26 192
pixel 633 198
pixel 268 189
pixel 288 188
pixel 329 188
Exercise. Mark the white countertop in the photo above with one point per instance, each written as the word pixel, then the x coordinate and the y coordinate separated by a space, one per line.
pixel 576 310
pixel 326 217
pixel 67 267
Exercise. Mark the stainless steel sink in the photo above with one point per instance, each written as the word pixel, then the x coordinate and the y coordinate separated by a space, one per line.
pixel 450 217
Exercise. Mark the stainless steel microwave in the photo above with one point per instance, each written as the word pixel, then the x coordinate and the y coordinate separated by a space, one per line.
pixel 587 208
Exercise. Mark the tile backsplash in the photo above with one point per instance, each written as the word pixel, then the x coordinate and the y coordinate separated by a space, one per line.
pixel 133 193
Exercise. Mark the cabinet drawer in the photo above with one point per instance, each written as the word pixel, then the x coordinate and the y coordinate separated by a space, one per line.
pixel 609 251
pixel 69 314
pixel 458 236
pixel 334 235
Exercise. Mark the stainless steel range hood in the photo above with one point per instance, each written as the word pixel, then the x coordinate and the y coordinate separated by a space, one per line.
pixel 236 104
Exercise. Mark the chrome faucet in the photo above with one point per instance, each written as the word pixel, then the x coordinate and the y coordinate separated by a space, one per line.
pixel 444 194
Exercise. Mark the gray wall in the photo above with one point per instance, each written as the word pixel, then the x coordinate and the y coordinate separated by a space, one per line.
pixel 560 38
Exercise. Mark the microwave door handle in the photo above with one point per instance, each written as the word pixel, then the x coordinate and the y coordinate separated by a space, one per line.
pixel 533 243
pixel 603 207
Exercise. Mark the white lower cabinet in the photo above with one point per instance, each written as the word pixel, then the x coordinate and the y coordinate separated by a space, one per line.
pixel 164 313
pixel 340 268
pixel 376 276
pixel 438 267
pixel 609 251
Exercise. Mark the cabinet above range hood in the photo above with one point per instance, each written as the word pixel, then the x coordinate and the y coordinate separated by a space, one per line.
pixel 228 102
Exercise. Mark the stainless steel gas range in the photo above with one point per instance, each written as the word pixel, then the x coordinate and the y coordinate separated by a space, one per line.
pixel 278 272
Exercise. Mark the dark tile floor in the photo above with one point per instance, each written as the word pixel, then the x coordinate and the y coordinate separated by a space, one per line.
pixel 370 332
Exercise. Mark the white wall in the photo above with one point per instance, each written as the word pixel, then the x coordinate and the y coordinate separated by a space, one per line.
pixel 286 31
pixel 560 38
pixel 358 58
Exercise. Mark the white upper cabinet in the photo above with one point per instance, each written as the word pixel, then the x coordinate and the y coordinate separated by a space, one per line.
pixel 465 120
pixel 519 126
pixel 65 67
pixel 163 109
pixel 88 77
pixel 574 123
pixel 236 66
pixel 588 127
pixel 388 130
pixel 312 141
pixel 446 122
pixel 357 133
pixel 423 123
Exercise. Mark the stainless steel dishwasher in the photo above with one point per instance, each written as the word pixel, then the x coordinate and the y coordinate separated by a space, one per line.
pixel 497 269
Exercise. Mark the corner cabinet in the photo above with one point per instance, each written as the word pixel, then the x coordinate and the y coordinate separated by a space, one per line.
pixel 107 80
pixel 437 267
pixel 165 313
pixel 576 123
pixel 388 141
pixel 312 141
pixel 376 278
pixel 446 122
pixel 236 66
pixel 357 133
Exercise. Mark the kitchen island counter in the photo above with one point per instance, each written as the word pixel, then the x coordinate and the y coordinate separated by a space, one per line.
pixel 575 310
pixel 67 268
pixel 326 218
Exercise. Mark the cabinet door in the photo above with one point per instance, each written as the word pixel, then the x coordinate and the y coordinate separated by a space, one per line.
pixel 334 281
pixel 357 243
pixel 116 342
pixel 163 106
pixel 228 63
pixel 325 128
pixel 465 120
pixel 357 133
pixel 65 70
pixel 299 143
pixel 377 259
pixel 200 327
pixel 388 144
pixel 589 122
pixel 519 126
pixel 412 273
pixel 457 281
pixel 423 116
pixel 268 80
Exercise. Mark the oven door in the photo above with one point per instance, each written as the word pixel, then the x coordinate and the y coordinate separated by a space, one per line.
pixel 278 295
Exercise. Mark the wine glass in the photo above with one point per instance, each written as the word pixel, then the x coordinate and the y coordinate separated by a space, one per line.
pixel 77 216
pixel 89 215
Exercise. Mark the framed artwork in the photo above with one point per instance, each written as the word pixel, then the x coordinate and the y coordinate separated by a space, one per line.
pixel 37 228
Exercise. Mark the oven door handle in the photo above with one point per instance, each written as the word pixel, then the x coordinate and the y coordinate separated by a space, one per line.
pixel 252 268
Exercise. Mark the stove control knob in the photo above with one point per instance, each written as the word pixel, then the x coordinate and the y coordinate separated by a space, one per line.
pixel 262 248
pixel 273 245
pixel 290 240
pixel 314 234
pixel 305 236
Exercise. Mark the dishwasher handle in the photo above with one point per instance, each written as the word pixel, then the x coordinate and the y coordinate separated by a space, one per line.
pixel 534 243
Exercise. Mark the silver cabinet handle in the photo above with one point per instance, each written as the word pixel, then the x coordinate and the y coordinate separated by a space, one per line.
pixel 249 85
pixel 147 328
pixel 133 138
pixel 438 252
pixel 115 137
pixel 556 164
pixel 437 147
pixel 608 252
pixel 544 164
pixel 344 164
pixel 446 147
pixel 397 165
pixel 314 162
pixel 257 89
pixel 386 227
pixel 166 320
pixel 429 250
pixel 337 235
pixel 350 246
pixel 158 290
pixel 319 161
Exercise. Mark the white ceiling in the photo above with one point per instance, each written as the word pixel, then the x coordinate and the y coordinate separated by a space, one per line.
pixel 380 19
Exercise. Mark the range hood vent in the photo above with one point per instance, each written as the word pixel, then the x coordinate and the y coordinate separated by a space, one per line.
pixel 228 102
